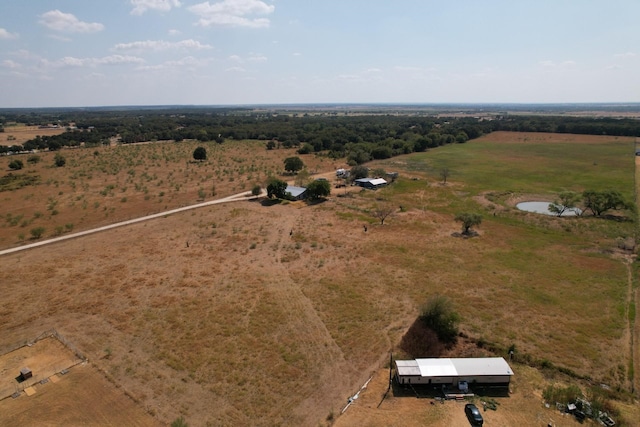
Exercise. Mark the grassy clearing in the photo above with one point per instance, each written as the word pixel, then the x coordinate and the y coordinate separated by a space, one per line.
pixel 529 165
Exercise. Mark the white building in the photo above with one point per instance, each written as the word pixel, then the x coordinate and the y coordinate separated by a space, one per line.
pixel 480 370
pixel 371 183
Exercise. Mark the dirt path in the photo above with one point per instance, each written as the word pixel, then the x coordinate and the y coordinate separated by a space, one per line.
pixel 233 198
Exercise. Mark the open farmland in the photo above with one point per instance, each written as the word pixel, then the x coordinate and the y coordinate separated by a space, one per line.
pixel 252 314
pixel 100 186
pixel 19 134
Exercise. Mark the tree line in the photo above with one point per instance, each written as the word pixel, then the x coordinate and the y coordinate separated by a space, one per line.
pixel 359 138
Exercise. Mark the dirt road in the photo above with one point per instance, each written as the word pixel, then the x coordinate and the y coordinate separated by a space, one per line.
pixel 233 198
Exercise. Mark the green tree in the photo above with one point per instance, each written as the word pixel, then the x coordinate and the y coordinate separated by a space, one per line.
pixel 305 149
pixel 37 232
pixel 358 172
pixel 256 190
pixel 302 178
pixel 33 159
pixel 318 189
pixel 438 314
pixel 598 202
pixel 293 164
pixel 271 145
pixel 462 137
pixel 200 154
pixel 16 164
pixel 566 202
pixel 276 188
pixel 468 220
pixel 378 173
pixel 59 160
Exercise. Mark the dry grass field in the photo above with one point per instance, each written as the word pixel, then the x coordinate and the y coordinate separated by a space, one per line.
pixel 273 314
pixel 19 134
pixel 81 397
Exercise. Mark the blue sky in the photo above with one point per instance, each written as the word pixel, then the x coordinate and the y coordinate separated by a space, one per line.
pixel 56 53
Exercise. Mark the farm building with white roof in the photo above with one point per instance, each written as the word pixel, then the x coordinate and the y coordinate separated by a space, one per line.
pixel 297 193
pixel 371 183
pixel 451 371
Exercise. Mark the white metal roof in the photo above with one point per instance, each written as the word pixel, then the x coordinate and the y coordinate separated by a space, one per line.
pixel 408 367
pixel 455 367
pixel 295 191
pixel 482 366
pixel 378 181
pixel 373 181
pixel 436 368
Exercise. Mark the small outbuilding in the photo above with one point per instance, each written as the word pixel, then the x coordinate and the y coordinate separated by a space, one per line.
pixel 493 371
pixel 25 373
pixel 297 193
pixel 370 183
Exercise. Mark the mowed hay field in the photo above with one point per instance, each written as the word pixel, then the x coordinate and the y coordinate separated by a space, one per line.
pixel 275 314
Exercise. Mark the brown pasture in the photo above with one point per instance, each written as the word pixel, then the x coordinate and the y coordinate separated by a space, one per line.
pixel 19 134
pixel 257 314
pixel 80 397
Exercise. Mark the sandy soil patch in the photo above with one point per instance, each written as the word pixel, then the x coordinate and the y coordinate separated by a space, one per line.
pixel 45 358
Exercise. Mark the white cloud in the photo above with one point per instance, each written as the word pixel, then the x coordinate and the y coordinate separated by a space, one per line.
pixel 253 57
pixel 11 64
pixel 70 61
pixel 60 38
pixel 68 23
pixel 6 35
pixel 297 54
pixel 257 58
pixel 141 6
pixel 158 45
pixel 235 70
pixel 173 32
pixel 233 13
pixel 625 55
pixel 188 61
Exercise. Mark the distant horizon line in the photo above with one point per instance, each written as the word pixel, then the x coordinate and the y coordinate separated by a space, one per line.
pixel 474 105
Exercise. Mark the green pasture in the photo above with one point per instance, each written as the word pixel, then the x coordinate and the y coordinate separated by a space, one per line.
pixel 533 167
pixel 554 287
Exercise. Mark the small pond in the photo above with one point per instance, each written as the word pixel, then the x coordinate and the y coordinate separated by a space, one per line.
pixel 543 208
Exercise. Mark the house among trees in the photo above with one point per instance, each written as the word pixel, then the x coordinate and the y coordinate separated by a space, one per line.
pixel 486 371
pixel 370 183
pixel 297 193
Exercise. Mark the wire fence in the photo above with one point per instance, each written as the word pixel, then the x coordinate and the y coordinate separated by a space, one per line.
pixel 51 333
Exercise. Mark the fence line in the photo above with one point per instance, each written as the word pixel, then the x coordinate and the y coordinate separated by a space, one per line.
pixel 51 333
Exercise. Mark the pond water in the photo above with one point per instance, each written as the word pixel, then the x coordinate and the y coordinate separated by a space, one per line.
pixel 543 208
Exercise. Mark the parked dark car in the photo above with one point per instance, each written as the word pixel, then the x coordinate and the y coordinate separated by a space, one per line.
pixel 473 414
